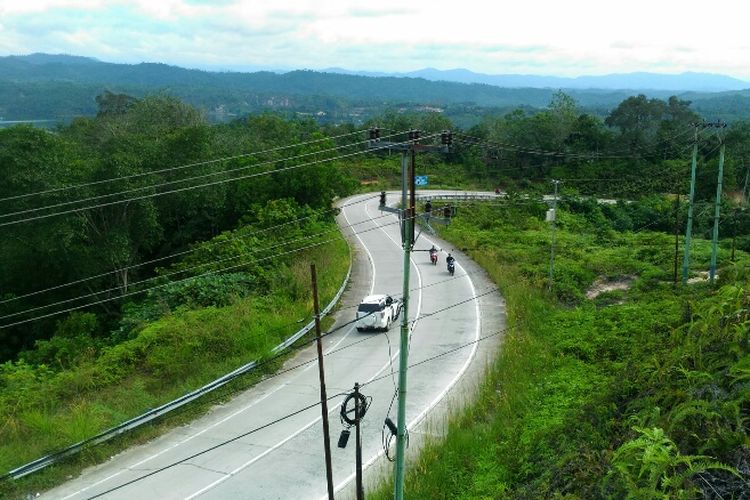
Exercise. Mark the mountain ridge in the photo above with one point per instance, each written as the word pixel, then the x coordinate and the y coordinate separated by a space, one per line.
pixel 639 80
pixel 42 86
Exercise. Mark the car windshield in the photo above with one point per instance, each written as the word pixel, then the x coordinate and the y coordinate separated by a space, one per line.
pixel 368 308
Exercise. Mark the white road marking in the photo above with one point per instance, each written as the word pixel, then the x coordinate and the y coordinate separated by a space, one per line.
pixel 245 408
pixel 440 396
pixel 317 419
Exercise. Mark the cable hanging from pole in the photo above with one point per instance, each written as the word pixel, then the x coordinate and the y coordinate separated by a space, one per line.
pixel 176 190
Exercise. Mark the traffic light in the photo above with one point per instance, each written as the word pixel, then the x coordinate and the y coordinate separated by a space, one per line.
pixel 413 134
pixel 374 133
pixel 447 211
pixel 382 198
pixel 428 207
pixel 446 137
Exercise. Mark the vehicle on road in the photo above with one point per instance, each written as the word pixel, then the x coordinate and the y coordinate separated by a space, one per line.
pixel 433 256
pixel 377 312
pixel 451 261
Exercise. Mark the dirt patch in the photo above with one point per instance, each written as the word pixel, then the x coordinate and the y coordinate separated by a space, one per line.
pixel 603 285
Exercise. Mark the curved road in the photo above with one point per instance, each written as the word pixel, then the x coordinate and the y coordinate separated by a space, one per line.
pixel 285 460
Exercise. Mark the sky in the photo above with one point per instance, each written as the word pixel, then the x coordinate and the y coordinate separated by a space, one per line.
pixel 553 37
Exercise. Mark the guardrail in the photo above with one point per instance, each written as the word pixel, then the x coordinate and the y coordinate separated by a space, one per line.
pixel 152 414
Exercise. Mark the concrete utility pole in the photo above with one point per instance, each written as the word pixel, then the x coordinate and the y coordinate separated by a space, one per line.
pixel 408 219
pixel 717 211
pixel 689 228
pixel 322 376
pixel 553 217
pixel 676 236
pixel 691 198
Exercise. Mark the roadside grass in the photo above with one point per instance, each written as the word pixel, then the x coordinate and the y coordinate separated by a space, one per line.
pixel 44 410
pixel 585 395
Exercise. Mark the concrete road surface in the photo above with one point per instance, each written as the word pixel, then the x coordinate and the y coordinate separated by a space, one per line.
pixel 285 460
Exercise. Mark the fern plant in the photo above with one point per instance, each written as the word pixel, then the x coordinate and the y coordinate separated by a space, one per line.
pixel 651 466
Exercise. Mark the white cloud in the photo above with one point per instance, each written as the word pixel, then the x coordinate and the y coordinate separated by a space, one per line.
pixel 535 36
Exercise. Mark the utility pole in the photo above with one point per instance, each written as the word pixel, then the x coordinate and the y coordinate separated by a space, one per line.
pixel 676 236
pixel 322 376
pixel 359 409
pixel 717 212
pixel 689 228
pixel 408 219
pixel 553 217
pixel 359 412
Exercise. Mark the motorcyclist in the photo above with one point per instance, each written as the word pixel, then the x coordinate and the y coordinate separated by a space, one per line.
pixel 450 260
pixel 433 254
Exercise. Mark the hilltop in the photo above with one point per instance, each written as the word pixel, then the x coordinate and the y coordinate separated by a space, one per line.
pixel 44 86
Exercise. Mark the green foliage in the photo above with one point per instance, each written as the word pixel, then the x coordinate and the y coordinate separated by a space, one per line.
pixel 138 141
pixel 72 342
pixel 651 466
pixel 46 407
pixel 575 376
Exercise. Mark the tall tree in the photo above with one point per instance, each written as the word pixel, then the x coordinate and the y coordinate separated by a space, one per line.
pixel 638 119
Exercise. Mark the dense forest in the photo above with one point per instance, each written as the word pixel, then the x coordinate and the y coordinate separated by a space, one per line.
pixel 121 228
pixel 61 87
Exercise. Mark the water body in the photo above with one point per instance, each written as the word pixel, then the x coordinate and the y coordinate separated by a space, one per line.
pixel 41 123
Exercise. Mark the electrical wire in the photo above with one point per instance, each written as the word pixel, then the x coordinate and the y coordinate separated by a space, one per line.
pixel 289 415
pixel 185 252
pixel 213 262
pixel 216 446
pixel 337 230
pixel 182 189
pixel 128 294
pixel 514 148
pixel 299 346
pixel 178 167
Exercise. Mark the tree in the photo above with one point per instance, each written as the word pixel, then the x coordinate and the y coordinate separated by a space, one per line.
pixel 114 104
pixel 638 120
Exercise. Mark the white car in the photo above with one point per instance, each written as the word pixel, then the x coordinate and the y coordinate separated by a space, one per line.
pixel 377 312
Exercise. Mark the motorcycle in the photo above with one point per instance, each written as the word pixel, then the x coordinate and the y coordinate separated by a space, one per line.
pixel 451 267
pixel 433 257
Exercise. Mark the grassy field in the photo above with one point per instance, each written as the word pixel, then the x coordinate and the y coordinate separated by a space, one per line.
pixel 637 393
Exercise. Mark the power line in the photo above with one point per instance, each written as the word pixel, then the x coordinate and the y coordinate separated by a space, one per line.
pixel 223 181
pixel 477 141
pixel 128 294
pixel 299 365
pixel 179 167
pixel 292 414
pixel 213 262
pixel 177 190
pixel 177 254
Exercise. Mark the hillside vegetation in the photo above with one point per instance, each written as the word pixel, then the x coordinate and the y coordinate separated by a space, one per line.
pixel 636 393
pixel 146 251
pixel 44 86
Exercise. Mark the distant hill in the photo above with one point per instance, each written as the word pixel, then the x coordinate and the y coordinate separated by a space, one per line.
pixel 40 86
pixel 697 82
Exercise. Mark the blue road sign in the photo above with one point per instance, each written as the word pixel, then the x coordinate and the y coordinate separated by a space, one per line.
pixel 420 180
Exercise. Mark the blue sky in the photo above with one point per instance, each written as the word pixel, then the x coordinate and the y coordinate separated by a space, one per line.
pixel 573 38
